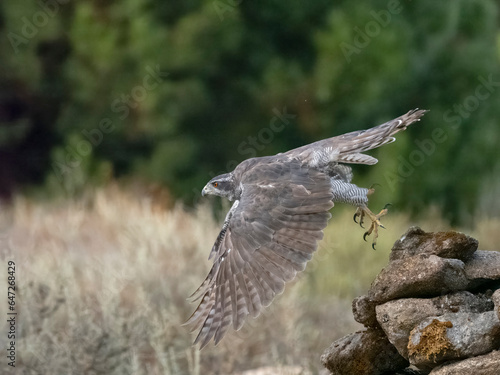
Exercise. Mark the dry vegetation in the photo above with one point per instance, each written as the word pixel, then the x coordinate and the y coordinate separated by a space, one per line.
pixel 103 280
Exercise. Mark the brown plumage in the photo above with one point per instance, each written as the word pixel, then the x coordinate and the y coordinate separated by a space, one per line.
pixel 281 206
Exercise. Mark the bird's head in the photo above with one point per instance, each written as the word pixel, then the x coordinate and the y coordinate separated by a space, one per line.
pixel 222 186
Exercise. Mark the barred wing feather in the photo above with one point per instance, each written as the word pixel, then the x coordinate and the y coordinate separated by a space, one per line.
pixel 268 236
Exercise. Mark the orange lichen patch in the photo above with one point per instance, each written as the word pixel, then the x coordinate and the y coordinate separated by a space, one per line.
pixel 433 340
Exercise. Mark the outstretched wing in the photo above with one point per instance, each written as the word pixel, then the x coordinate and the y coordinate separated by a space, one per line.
pixel 348 148
pixel 268 236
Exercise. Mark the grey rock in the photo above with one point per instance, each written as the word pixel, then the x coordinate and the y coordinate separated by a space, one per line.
pixel 436 305
pixel 496 300
pixel 483 266
pixel 448 244
pixel 363 309
pixel 397 318
pixel 418 276
pixel 488 364
pixel 453 336
pixel 366 352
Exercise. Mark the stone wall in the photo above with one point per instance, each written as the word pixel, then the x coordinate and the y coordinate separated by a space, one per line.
pixel 435 308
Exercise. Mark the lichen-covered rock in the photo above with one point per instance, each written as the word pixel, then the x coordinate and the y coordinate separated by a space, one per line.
pixel 363 310
pixel 397 318
pixel 366 352
pixel 418 276
pixel 453 336
pixel 449 244
pixel 487 364
pixel 482 267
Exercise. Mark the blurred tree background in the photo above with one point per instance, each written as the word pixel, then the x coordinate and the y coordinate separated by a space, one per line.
pixel 175 92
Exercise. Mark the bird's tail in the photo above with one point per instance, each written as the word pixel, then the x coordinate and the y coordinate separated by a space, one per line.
pixel 348 148
pixel 364 140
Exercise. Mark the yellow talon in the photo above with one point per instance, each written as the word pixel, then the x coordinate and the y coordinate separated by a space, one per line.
pixel 363 211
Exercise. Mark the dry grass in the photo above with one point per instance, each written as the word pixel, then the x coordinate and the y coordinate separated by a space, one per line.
pixel 102 283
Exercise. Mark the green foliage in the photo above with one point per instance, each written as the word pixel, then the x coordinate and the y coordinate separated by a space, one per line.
pixel 186 90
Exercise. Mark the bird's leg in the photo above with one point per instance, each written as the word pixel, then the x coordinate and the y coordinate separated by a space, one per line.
pixel 360 212
pixel 375 221
pixel 352 194
pixel 371 189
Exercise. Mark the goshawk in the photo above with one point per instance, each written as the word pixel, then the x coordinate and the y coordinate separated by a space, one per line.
pixel 281 206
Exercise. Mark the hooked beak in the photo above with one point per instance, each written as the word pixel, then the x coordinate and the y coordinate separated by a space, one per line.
pixel 205 191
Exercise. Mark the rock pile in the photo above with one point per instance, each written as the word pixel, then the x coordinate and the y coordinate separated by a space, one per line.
pixel 435 308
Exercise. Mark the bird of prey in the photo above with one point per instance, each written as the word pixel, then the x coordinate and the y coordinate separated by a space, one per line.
pixel 281 206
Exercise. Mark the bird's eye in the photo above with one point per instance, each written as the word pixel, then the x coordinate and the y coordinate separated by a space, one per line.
pixel 215 184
